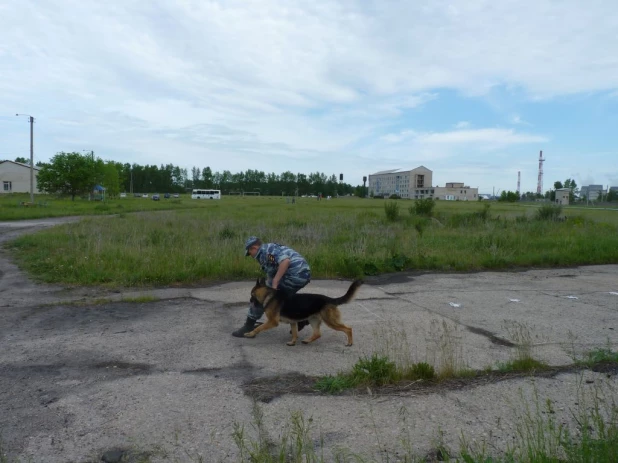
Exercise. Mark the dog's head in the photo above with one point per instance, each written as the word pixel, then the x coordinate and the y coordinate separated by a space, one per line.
pixel 260 292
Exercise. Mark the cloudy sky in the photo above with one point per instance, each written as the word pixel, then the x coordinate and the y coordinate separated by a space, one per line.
pixel 472 90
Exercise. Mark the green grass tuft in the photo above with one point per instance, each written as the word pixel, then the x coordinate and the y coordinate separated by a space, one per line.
pixel 600 355
pixel 523 364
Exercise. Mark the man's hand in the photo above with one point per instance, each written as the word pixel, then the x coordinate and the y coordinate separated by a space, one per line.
pixel 283 267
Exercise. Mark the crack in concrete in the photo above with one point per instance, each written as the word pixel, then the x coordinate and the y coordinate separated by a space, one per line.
pixel 473 329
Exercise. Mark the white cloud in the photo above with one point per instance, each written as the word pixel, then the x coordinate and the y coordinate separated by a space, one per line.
pixel 493 137
pixel 220 82
pixel 517 120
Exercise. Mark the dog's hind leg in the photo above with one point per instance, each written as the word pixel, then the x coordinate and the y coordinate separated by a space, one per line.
pixel 294 331
pixel 332 318
pixel 315 326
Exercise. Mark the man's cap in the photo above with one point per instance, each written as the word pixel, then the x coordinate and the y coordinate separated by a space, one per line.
pixel 250 242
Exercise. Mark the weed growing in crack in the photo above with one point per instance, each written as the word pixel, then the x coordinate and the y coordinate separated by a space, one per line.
pixel 294 445
pixel 600 355
pixel 374 371
pixel 391 340
pixel 523 360
pixel 448 353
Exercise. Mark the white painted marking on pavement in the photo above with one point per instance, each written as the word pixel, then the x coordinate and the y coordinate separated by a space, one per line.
pixel 374 314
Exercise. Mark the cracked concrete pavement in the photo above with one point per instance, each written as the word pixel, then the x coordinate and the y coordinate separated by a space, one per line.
pixel 79 377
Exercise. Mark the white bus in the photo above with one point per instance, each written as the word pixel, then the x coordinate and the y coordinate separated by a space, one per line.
pixel 206 194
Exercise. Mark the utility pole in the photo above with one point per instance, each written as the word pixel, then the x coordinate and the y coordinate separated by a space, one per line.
pixel 31 120
pixel 31 159
pixel 91 153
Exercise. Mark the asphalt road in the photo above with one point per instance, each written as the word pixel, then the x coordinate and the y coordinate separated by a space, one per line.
pixel 79 378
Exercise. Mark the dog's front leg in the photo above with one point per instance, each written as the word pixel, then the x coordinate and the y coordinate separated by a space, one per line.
pixel 266 326
pixel 294 334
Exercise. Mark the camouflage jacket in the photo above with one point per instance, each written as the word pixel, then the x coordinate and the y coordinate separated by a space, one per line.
pixel 270 255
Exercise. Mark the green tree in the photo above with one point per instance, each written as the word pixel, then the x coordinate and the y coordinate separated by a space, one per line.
pixel 570 184
pixel 207 177
pixel 22 160
pixel 110 178
pixel 69 174
pixel 509 196
pixel 195 176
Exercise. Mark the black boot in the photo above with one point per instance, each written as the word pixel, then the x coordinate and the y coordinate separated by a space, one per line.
pixel 246 328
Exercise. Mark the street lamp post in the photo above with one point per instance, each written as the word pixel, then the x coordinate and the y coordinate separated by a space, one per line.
pixel 31 120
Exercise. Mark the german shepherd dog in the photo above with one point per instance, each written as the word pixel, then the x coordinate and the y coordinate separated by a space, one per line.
pixel 316 308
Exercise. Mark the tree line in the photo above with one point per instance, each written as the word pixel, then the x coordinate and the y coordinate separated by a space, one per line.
pixel 512 196
pixel 574 194
pixel 77 174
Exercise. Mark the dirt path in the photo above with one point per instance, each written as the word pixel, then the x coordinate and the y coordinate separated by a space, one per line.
pixel 79 378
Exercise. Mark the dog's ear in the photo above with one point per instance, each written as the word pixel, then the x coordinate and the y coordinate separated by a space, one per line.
pixel 261 281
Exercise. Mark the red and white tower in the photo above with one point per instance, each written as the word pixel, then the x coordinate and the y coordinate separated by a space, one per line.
pixel 539 186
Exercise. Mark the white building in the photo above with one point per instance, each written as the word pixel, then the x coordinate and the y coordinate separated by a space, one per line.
pixel 417 184
pixel 410 184
pixel 15 177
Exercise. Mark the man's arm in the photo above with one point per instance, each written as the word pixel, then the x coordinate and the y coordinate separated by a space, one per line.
pixel 283 267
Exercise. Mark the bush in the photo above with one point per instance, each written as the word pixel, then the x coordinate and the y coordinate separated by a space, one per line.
pixel 393 196
pixel 484 214
pixel 391 209
pixel 423 207
pixel 549 212
pixel 227 233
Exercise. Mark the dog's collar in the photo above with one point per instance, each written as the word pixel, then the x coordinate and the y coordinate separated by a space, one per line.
pixel 268 298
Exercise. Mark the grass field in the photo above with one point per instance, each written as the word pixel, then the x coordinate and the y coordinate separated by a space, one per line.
pixel 50 206
pixel 183 241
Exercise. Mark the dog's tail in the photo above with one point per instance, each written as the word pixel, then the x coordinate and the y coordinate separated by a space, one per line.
pixel 347 297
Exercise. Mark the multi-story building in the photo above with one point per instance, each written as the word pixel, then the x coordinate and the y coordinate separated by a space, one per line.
pixel 591 192
pixel 410 184
pixel 417 184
